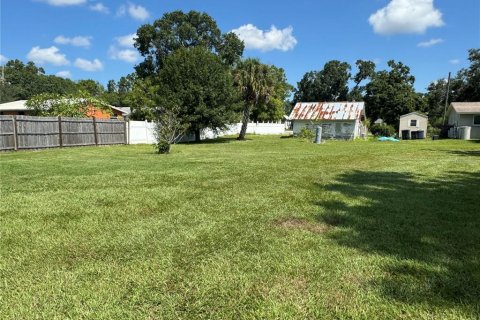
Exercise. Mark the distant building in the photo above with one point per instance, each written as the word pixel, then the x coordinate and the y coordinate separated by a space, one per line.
pixel 464 117
pixel 413 126
pixel 20 108
pixel 339 120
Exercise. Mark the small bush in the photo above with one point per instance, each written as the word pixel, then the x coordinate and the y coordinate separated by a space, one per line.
pixel 306 134
pixel 433 131
pixel 162 147
pixel 383 130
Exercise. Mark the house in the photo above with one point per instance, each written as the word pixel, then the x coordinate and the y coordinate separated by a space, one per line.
pixel 413 125
pixel 464 117
pixel 339 120
pixel 20 108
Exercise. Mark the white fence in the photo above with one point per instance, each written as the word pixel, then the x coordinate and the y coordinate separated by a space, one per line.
pixel 142 131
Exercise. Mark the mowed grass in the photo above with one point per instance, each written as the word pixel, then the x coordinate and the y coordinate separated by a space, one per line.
pixel 268 228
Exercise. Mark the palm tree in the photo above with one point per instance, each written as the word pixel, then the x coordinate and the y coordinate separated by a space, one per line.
pixel 254 81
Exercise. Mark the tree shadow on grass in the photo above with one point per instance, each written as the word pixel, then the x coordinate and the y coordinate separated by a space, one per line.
pixel 431 227
pixel 214 141
pixel 468 153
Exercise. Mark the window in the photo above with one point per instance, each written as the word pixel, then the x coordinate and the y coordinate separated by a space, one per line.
pixel 413 123
pixel 476 120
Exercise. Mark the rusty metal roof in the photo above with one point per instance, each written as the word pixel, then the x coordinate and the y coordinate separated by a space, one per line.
pixel 328 111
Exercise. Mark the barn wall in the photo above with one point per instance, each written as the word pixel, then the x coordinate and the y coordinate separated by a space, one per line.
pixel 330 129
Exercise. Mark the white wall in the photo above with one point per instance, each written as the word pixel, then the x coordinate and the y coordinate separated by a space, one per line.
pixel 142 131
pixel 422 124
pixel 336 129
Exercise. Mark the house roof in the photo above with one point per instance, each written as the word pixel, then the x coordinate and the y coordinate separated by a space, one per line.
pixel 328 111
pixel 14 106
pixel 465 107
pixel 416 113
pixel 20 105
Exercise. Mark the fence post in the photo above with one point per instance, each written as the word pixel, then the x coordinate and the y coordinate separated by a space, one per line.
pixel 125 132
pixel 95 130
pixel 146 131
pixel 60 134
pixel 15 135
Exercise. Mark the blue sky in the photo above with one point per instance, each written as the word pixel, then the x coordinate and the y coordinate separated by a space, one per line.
pixel 91 39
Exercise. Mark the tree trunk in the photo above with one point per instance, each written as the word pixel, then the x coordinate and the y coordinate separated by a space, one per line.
pixel 245 119
pixel 197 135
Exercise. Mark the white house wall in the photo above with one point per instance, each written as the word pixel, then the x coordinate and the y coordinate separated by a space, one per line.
pixel 463 120
pixel 422 124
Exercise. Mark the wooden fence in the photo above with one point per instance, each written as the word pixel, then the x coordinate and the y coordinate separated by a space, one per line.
pixel 26 132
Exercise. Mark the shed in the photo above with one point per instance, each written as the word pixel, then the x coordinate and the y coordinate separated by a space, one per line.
pixel 413 125
pixel 20 108
pixel 464 117
pixel 339 120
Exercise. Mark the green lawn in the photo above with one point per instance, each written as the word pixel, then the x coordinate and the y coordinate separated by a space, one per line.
pixel 269 228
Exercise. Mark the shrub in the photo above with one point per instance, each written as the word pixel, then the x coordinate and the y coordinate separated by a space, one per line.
pixel 306 134
pixel 433 131
pixel 383 130
pixel 162 147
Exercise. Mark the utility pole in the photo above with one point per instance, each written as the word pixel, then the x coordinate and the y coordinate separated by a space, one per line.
pixel 446 99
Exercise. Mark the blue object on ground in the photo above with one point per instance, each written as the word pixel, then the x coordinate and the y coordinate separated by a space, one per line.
pixel 388 139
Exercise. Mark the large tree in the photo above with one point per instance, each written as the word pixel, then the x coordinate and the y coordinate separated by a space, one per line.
pixel 464 86
pixel 176 30
pixel 328 84
pixel 470 78
pixel 118 94
pixel 273 109
pixel 391 94
pixel 23 81
pixel 94 88
pixel 365 70
pixel 256 83
pixel 201 85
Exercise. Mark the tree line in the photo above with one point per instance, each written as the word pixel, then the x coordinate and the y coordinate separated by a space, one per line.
pixel 193 77
pixel 390 93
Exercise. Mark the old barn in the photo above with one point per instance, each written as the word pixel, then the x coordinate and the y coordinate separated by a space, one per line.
pixel 339 120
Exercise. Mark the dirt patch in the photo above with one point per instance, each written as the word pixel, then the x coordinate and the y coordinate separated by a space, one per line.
pixel 303 224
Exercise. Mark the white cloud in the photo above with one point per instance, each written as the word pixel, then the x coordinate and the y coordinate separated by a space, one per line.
pixel 48 55
pixel 135 11
pixel 429 43
pixel 138 12
pixel 273 39
pixel 126 41
pixel 78 41
pixel 87 65
pixel 64 74
pixel 100 7
pixel 406 16
pixel 127 55
pixel 3 59
pixel 63 3
pixel 121 11
pixel 455 61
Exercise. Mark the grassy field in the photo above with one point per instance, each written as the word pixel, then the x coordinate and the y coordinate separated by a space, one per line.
pixel 271 228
